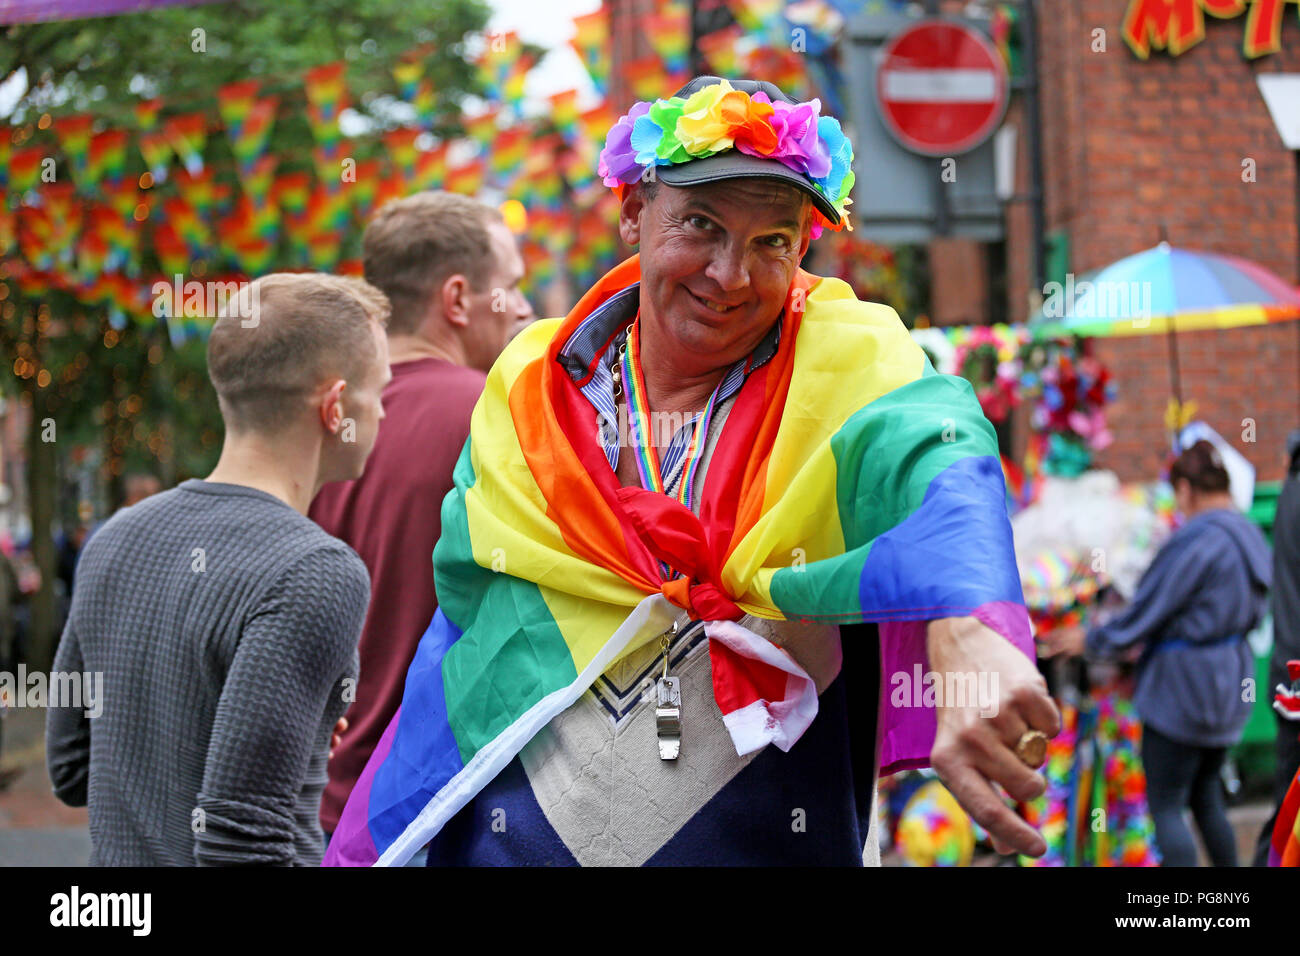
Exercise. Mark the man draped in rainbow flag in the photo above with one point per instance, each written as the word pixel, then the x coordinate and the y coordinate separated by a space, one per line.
pixel 722 504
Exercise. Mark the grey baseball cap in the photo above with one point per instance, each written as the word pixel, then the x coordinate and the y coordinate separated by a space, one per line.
pixel 733 164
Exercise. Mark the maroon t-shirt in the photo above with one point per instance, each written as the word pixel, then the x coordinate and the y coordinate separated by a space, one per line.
pixel 391 516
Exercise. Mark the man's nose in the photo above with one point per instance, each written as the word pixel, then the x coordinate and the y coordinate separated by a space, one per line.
pixel 729 269
pixel 524 309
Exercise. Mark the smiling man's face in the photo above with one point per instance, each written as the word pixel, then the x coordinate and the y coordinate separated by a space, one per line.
pixel 717 262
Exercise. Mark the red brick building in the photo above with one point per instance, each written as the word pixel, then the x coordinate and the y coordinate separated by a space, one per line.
pixel 1132 147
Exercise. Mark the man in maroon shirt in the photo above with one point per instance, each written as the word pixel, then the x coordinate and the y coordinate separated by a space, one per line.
pixel 451 270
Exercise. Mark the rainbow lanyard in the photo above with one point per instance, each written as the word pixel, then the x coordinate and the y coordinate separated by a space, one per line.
pixel 647 456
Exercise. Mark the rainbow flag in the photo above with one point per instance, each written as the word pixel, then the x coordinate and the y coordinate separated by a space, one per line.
pixel 853 483
pixel 1284 848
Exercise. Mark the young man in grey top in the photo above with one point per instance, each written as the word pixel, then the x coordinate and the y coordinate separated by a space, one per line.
pixel 223 621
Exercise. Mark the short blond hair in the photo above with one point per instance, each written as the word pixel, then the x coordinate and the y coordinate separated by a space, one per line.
pixel 413 245
pixel 283 336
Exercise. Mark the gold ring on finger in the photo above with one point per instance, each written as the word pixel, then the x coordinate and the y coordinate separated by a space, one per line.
pixel 1031 748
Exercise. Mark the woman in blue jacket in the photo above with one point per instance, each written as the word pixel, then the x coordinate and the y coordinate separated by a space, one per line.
pixel 1205 590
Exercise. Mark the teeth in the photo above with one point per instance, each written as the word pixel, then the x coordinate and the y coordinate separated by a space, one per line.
pixel 715 306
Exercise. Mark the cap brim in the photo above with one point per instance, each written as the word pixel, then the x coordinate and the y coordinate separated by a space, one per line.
pixel 737 165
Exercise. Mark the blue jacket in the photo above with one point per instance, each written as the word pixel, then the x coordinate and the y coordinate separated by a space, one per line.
pixel 1207 587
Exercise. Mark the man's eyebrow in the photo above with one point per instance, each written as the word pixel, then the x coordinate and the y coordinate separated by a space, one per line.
pixel 702 205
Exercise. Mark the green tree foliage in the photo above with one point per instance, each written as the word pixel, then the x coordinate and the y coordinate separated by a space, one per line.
pixel 130 398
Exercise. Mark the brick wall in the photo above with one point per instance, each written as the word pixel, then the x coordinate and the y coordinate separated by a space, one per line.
pixel 1132 146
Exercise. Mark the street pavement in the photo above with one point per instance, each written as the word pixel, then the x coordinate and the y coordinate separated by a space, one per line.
pixel 35 828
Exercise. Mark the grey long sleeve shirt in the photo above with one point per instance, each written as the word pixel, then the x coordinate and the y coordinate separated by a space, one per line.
pixel 224 625
pixel 1207 584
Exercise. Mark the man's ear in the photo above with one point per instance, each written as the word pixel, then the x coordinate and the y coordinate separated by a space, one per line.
pixel 331 407
pixel 455 299
pixel 629 215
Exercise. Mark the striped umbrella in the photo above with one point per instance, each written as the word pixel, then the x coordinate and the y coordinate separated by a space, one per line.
pixel 1167 289
pixel 1164 289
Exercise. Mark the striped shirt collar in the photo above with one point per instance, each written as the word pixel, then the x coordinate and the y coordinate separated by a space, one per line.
pixel 592 348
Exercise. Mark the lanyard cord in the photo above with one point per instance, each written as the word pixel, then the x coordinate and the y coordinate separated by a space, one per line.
pixel 647 456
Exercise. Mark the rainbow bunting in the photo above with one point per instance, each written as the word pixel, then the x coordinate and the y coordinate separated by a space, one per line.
pixel 400 146
pixel 259 177
pixel 187 135
pixel 778 65
pixel 416 89
pixel 669 33
pixel 155 149
pixel 74 136
pixel 591 43
pixel 509 151
pixel 757 16
pixel 719 49
pixel 24 170
pixel 512 87
pixel 106 159
pixel 184 220
pixel 895 526
pixel 494 63
pixel 200 190
pixel 564 112
pixel 157 152
pixel 647 78
pixel 483 128
pixel 361 191
pixel 466 179
pixel 248 121
pixel 389 188
pixel 327 97
pixel 328 160
pixel 430 169
pixel 8 230
pixel 291 191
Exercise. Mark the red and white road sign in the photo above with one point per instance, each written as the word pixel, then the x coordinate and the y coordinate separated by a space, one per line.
pixel 942 88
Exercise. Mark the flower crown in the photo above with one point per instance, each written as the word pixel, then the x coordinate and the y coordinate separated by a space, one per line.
pixel 719 117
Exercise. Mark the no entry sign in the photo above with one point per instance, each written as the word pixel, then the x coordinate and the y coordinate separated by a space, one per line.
pixel 942 88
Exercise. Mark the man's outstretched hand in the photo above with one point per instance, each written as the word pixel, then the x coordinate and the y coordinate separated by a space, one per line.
pixel 974 745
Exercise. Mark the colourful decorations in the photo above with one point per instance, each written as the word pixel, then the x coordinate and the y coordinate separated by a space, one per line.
pixel 718 118
pixel 591 42
pixel 1067 387
pixel 1094 812
pixel 416 88
pixel 933 829
pixel 248 119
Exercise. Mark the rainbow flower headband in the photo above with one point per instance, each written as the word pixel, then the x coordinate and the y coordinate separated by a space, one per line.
pixel 720 117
